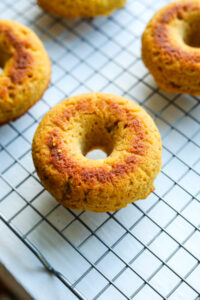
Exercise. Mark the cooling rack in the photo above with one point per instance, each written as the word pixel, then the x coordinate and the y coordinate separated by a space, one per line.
pixel 149 250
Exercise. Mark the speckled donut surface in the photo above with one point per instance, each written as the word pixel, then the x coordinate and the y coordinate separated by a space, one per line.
pixel 118 126
pixel 25 67
pixel 80 8
pixel 171 47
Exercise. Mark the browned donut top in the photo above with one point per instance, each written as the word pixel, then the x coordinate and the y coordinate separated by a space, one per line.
pixel 136 144
pixel 26 70
pixel 161 30
pixel 22 58
pixel 66 165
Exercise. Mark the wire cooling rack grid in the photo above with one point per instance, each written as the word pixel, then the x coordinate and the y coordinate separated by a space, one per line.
pixel 149 250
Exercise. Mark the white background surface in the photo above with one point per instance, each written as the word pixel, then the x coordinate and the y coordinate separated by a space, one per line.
pixel 149 250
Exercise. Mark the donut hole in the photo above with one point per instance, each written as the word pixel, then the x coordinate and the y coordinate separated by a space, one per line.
pixel 96 154
pixel 97 139
pixel 192 32
pixel 97 146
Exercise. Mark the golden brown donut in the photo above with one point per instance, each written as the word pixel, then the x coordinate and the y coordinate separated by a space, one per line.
pixel 80 8
pixel 171 47
pixel 79 124
pixel 25 67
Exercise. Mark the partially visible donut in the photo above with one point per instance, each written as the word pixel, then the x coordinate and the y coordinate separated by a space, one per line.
pixel 118 126
pixel 25 67
pixel 171 47
pixel 80 8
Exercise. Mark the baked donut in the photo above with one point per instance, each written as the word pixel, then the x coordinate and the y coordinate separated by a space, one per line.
pixel 80 8
pixel 114 124
pixel 25 67
pixel 171 47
